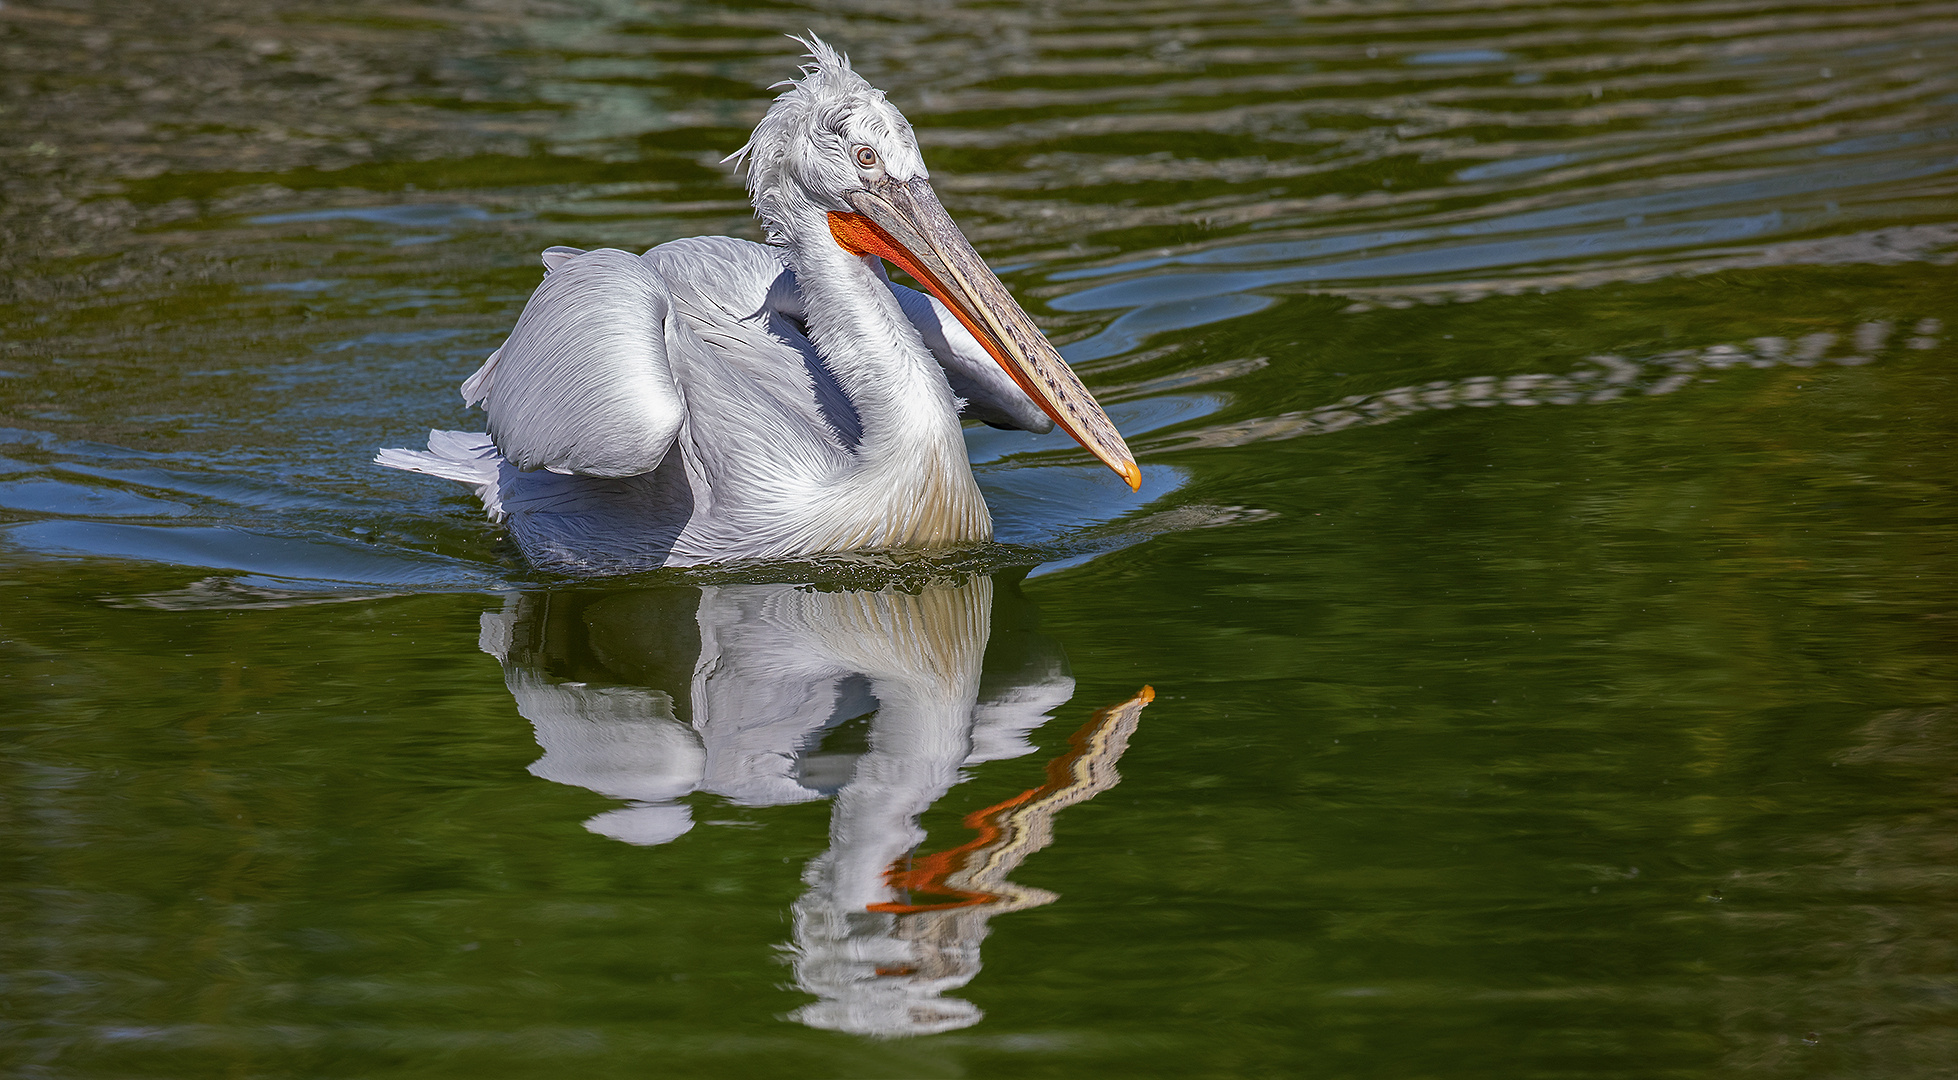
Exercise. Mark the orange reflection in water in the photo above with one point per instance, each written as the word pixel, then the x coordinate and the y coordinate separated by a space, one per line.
pixel 1009 831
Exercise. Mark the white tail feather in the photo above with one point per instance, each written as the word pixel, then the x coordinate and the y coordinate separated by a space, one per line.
pixel 467 457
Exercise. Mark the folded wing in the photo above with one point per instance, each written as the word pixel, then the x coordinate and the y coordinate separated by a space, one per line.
pixel 990 394
pixel 743 279
pixel 584 384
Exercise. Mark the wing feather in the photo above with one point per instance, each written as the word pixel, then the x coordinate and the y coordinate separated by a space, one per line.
pixel 990 394
pixel 584 384
pixel 740 279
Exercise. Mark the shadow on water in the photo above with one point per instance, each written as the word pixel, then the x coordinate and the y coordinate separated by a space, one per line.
pixel 769 695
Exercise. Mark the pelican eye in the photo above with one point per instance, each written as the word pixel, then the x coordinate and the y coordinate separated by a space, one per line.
pixel 866 157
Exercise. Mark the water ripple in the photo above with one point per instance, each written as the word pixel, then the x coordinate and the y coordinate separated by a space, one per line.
pixel 338 213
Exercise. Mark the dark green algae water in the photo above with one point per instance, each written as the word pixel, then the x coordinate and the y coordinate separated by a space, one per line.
pixel 1544 570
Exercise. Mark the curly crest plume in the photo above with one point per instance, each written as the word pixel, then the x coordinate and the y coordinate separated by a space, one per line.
pixel 816 117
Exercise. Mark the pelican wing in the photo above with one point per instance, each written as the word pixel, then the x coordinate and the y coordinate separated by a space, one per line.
pixel 743 279
pixel 584 383
pixel 741 298
pixel 990 394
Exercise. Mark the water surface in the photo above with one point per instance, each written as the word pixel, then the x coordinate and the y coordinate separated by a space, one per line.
pixel 1542 582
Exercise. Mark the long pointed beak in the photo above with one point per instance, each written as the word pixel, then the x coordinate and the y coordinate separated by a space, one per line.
pixel 903 222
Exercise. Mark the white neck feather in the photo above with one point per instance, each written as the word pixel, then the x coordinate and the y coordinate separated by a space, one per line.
pixel 911 482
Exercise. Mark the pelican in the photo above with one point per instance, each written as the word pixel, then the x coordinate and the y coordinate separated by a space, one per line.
pixel 718 399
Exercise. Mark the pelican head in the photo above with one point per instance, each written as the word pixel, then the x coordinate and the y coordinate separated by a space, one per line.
pixel 833 162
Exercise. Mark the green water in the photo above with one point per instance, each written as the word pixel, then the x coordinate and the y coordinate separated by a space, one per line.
pixel 1543 569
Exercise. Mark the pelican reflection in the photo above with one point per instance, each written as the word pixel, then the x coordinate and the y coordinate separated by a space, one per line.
pixel 772 694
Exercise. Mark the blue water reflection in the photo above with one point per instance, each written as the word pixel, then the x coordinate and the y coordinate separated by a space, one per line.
pixel 1459 259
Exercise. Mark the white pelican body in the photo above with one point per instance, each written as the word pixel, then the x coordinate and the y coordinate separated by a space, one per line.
pixel 718 399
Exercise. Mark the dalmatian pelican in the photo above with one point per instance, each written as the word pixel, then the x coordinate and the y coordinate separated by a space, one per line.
pixel 717 399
